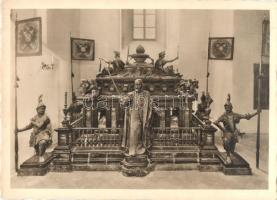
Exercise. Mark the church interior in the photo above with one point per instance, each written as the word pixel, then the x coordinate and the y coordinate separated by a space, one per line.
pixel 182 33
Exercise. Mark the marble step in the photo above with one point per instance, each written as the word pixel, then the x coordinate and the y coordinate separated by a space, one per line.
pixel 175 148
pixel 94 149
pixel 97 160
pixel 174 160
pixel 130 165
pixel 136 159
pixel 238 166
pixel 32 166
pixel 96 156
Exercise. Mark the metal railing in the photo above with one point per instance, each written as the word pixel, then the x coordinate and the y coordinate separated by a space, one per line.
pixel 96 137
pixel 177 136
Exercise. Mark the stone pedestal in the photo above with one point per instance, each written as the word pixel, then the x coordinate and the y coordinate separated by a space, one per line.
pixel 209 159
pixel 62 153
pixel 239 166
pixel 32 166
pixel 135 166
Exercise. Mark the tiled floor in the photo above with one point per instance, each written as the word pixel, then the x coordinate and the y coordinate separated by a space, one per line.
pixel 162 179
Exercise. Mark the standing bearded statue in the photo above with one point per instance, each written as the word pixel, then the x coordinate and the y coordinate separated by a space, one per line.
pixel 136 138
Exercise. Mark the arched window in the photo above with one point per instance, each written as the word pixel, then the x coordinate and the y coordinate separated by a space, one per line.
pixel 144 24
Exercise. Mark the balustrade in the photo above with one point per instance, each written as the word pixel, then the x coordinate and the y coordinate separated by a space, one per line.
pixel 96 138
pixel 177 136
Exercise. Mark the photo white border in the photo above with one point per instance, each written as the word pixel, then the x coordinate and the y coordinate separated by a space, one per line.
pixel 7 78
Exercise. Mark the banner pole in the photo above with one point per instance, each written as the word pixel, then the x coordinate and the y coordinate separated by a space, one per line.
pixel 15 94
pixel 259 103
pixel 208 73
pixel 71 68
pixel 258 120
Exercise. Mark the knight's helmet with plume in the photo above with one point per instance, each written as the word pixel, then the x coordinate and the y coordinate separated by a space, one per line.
pixel 228 102
pixel 40 103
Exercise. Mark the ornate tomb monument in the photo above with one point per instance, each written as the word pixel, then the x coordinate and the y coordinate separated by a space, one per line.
pixel 139 118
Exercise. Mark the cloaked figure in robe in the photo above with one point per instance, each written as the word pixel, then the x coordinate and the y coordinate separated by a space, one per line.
pixel 137 123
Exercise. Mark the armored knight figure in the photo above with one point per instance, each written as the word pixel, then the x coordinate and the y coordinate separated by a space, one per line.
pixel 41 136
pixel 203 108
pixel 230 132
pixel 161 62
pixel 74 109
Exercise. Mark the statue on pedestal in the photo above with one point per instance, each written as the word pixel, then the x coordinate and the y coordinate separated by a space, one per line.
pixel 136 137
pixel 230 132
pixel 41 136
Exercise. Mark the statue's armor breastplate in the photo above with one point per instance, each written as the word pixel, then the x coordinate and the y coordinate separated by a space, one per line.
pixel 229 123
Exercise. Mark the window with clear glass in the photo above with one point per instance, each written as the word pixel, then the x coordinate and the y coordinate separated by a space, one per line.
pixel 144 24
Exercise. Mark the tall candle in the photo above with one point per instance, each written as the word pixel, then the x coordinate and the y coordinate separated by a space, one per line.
pixel 65 98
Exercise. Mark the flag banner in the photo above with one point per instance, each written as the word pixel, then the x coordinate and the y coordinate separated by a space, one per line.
pixel 28 37
pixel 82 49
pixel 265 38
pixel 221 48
pixel 264 93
